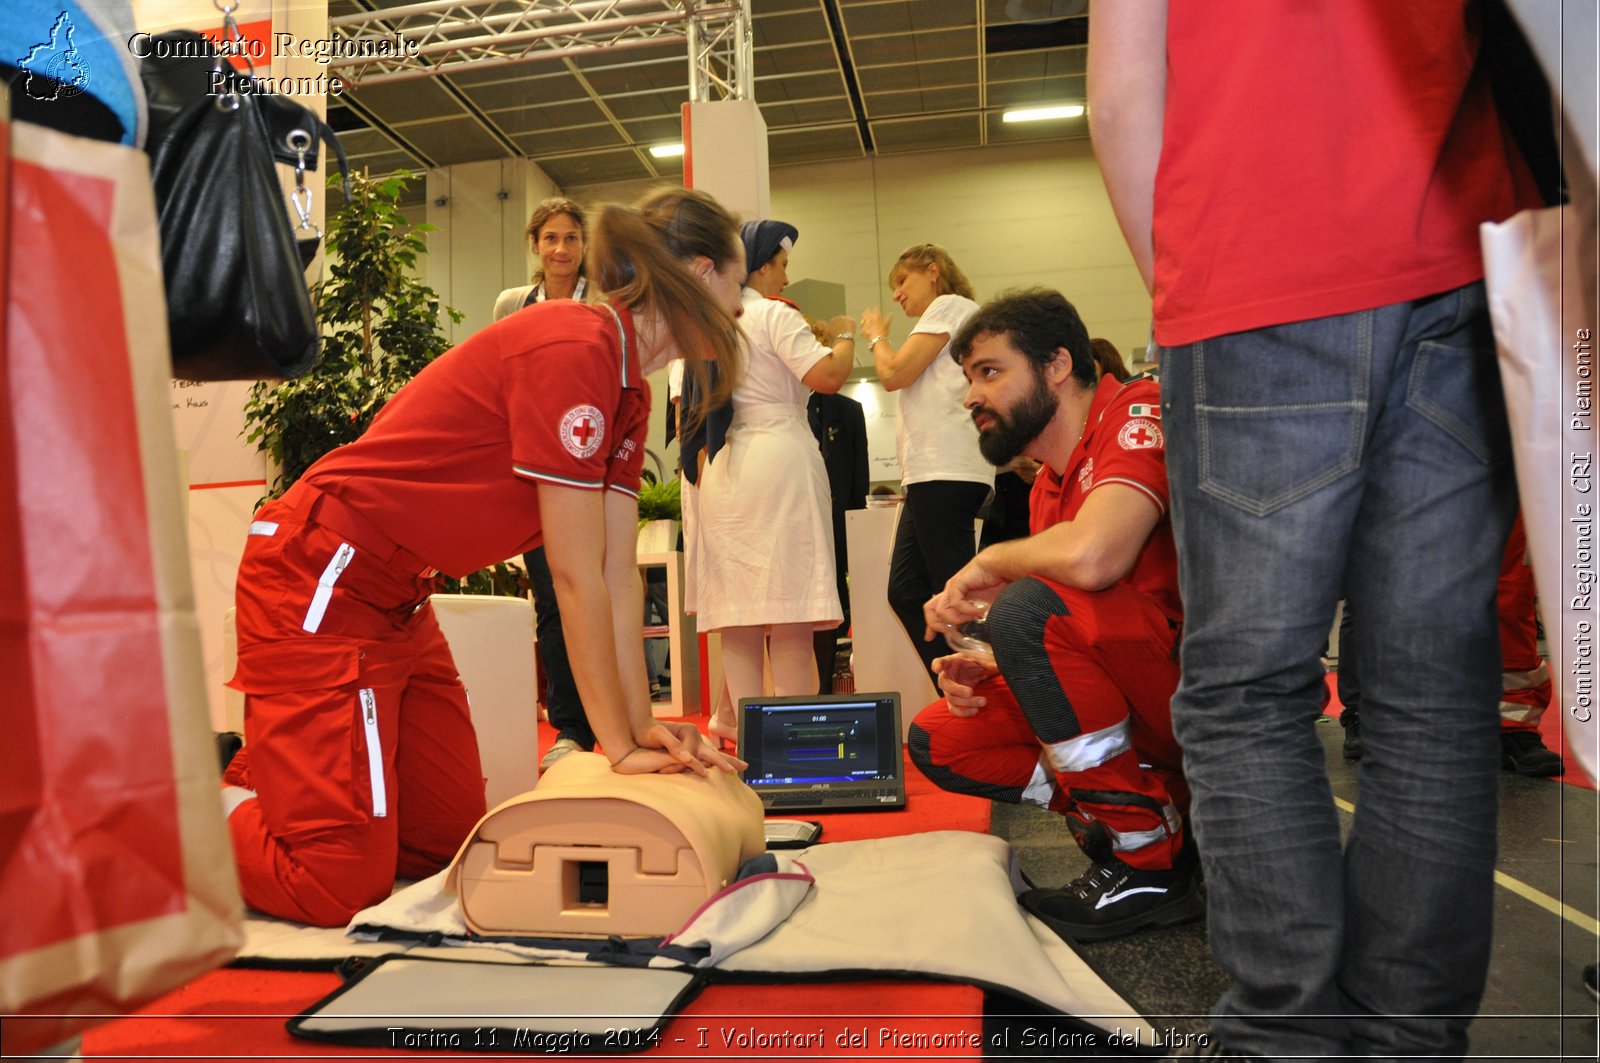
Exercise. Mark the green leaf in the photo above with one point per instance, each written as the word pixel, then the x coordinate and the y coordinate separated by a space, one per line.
pixel 380 326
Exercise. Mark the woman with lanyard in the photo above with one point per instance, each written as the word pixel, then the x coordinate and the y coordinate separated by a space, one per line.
pixel 943 476
pixel 361 763
pixel 765 527
pixel 556 233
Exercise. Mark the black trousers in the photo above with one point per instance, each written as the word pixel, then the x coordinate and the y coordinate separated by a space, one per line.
pixel 935 537
pixel 561 691
pixel 825 642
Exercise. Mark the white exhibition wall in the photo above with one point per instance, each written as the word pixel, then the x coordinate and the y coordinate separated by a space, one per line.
pixel 1014 216
pixel 1034 214
pixel 479 211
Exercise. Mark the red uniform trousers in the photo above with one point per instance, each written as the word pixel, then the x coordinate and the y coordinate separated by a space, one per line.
pixel 1110 764
pixel 359 742
pixel 1525 678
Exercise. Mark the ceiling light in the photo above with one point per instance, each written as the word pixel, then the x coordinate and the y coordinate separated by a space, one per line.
pixel 669 151
pixel 1042 114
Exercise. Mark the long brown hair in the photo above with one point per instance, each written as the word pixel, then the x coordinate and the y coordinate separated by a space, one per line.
pixel 920 256
pixel 1110 359
pixel 638 257
pixel 547 209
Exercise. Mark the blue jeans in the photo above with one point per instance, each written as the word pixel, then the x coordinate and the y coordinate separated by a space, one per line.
pixel 1366 452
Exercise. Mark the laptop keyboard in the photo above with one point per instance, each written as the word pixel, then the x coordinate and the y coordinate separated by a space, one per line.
pixel 835 795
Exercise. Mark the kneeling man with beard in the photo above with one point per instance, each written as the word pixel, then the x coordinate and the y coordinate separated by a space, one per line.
pixel 1072 711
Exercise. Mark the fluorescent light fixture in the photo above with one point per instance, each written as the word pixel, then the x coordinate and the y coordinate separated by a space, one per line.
pixel 669 151
pixel 1043 114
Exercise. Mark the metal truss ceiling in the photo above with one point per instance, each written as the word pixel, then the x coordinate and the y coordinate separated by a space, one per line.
pixel 584 87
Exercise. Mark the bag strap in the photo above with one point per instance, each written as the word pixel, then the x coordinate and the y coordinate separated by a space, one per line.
pixel 330 138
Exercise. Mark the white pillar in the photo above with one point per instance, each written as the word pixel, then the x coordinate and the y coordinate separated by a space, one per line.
pixel 725 154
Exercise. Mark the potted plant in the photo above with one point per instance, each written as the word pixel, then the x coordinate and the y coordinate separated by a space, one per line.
pixel 380 326
pixel 660 514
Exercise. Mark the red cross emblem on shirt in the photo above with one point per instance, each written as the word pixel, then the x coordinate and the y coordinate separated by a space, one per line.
pixel 582 430
pixel 1140 434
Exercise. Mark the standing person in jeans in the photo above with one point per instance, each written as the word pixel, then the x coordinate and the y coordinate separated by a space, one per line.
pixel 1334 418
pixel 557 232
pixel 1525 677
pixel 943 475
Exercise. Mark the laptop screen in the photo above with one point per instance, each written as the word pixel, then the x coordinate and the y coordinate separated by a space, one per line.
pixel 837 739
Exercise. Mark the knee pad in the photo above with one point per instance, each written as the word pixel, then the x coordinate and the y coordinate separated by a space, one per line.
pixel 1018 616
pixel 1016 631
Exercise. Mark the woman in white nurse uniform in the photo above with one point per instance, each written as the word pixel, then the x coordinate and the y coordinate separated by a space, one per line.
pixel 765 535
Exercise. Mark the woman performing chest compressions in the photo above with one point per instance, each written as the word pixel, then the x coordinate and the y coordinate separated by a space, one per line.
pixel 361 763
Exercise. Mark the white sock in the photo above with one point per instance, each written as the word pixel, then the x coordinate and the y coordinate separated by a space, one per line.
pixel 233 797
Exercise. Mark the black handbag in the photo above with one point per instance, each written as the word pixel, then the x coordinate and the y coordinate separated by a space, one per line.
pixel 238 306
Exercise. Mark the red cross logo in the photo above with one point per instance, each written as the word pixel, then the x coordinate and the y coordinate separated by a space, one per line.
pixel 1140 434
pixel 583 429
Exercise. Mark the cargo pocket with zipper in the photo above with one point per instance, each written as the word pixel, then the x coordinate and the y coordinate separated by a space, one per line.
pixel 316 733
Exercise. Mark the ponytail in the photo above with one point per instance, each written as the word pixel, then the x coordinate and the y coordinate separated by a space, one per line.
pixel 638 258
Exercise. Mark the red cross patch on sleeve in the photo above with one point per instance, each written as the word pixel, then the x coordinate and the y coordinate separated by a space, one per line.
pixel 1140 434
pixel 583 429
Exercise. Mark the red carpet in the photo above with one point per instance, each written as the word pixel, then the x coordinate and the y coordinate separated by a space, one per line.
pixel 241 1013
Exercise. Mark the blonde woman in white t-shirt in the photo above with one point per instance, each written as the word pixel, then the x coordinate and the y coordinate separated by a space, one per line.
pixel 942 474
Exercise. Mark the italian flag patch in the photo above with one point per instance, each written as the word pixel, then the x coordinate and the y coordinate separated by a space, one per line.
pixel 1141 410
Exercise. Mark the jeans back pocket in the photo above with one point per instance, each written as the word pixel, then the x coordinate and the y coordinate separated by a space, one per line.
pixel 1281 412
pixel 1455 380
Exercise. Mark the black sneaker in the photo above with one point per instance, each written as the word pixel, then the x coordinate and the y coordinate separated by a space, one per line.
pixel 1524 753
pixel 1111 899
pixel 1354 747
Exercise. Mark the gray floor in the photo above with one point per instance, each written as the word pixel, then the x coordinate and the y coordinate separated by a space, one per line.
pixel 1535 1006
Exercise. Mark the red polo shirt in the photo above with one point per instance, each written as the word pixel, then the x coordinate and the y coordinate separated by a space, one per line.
pixel 1122 443
pixel 1336 157
pixel 449 468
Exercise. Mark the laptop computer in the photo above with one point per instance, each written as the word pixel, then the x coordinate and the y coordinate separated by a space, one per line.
pixel 825 753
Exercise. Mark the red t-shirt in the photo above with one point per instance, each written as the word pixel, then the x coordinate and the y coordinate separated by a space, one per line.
pixel 1122 443
pixel 450 465
pixel 1321 157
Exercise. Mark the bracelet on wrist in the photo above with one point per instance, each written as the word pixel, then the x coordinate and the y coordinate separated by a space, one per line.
pixel 841 337
pixel 873 341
